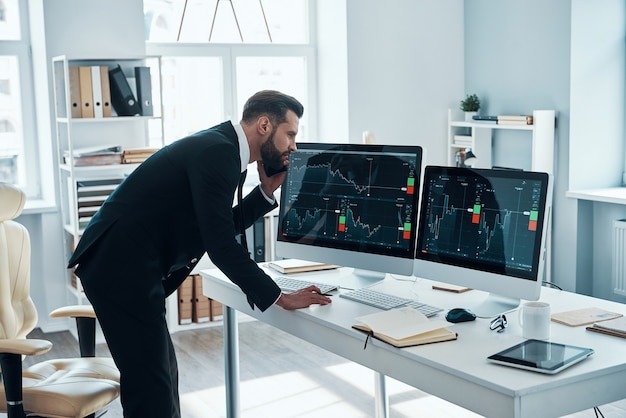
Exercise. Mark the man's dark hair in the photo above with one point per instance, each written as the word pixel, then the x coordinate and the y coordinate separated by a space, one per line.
pixel 273 104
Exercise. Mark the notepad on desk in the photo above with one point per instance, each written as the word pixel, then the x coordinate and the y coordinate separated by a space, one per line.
pixel 584 316
pixel 404 327
pixel 615 327
pixel 298 266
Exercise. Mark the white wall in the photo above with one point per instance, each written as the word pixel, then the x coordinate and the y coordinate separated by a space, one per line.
pixel 598 69
pixel 332 73
pixel 405 69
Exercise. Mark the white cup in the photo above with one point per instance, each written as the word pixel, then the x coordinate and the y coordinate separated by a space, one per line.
pixel 534 318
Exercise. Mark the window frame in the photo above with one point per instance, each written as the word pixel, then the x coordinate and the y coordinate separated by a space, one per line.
pixel 21 49
pixel 229 52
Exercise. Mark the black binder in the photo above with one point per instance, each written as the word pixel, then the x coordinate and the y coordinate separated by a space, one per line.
pixel 122 96
pixel 258 230
pixel 144 90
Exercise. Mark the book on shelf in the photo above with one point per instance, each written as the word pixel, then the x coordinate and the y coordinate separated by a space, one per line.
pixel 137 155
pixel 95 150
pixel 104 159
pixel 463 141
pixel 584 316
pixel 615 327
pixel 515 120
pixel 98 155
pixel 140 150
pixel 292 265
pixel 404 327
pixel 485 118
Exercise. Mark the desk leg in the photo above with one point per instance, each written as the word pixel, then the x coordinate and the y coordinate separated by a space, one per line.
pixel 380 403
pixel 231 361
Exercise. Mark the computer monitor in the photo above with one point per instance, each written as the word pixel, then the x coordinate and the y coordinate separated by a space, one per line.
pixel 353 205
pixel 485 229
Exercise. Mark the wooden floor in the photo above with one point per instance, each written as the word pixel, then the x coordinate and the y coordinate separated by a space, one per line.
pixel 283 376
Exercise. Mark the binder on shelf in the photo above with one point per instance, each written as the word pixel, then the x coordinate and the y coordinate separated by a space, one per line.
pixel 201 310
pixel 185 296
pixel 106 91
pixel 122 96
pixel 144 90
pixel 258 233
pixel 215 309
pixel 75 102
pixel 96 89
pixel 86 92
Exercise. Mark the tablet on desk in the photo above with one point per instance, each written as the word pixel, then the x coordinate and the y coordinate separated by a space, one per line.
pixel 541 356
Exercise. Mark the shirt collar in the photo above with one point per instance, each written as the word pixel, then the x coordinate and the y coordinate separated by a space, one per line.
pixel 244 148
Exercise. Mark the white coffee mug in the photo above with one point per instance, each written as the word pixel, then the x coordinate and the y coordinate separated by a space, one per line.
pixel 534 318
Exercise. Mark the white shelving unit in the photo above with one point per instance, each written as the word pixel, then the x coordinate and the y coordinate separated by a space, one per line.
pixel 477 135
pixel 83 132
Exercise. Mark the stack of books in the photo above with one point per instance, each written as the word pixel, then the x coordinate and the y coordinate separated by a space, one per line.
pixel 137 155
pixel 99 155
pixel 464 141
pixel 515 120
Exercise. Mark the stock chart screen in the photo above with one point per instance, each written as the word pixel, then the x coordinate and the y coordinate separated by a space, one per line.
pixel 354 197
pixel 483 218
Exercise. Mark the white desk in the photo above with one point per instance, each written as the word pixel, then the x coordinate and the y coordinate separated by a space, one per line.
pixel 455 370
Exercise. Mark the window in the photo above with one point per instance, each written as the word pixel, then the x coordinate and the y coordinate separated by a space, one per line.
pixel 216 54
pixel 19 162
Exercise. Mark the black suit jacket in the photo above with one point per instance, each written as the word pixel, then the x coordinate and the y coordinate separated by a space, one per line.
pixel 177 205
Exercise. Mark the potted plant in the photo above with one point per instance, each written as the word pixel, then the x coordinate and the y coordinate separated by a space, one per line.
pixel 470 106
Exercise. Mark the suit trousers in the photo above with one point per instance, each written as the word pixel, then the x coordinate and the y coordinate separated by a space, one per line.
pixel 123 282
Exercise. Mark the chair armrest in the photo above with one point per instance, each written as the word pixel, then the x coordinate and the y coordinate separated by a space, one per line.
pixel 85 325
pixel 31 347
pixel 82 311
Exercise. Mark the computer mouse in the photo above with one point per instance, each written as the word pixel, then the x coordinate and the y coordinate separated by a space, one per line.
pixel 460 315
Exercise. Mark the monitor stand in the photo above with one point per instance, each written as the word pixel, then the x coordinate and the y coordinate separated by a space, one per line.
pixel 359 278
pixel 495 305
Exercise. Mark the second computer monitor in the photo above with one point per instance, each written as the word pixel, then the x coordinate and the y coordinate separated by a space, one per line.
pixel 352 205
pixel 485 229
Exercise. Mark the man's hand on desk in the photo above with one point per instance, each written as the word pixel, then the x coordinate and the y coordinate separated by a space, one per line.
pixel 302 298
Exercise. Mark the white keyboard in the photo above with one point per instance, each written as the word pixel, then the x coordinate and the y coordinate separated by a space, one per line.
pixel 386 301
pixel 288 284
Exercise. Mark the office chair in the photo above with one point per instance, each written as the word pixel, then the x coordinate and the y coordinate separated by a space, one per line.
pixel 63 388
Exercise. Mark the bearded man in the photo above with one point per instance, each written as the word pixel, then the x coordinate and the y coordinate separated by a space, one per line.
pixel 152 230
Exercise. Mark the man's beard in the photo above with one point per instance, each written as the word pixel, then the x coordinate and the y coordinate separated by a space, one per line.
pixel 270 156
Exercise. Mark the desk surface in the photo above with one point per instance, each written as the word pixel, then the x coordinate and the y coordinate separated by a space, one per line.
pixel 456 370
